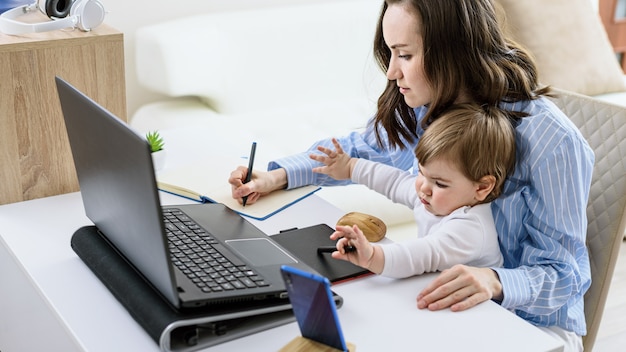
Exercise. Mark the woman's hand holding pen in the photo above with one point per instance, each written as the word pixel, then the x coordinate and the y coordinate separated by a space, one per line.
pixel 261 183
pixel 240 188
pixel 366 255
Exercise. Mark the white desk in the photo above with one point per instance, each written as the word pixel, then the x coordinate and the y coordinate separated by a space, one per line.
pixel 50 301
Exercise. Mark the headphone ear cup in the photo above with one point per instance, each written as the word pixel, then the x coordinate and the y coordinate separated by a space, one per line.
pixel 58 8
pixel 90 13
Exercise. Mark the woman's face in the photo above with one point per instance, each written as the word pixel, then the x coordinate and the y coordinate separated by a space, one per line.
pixel 402 34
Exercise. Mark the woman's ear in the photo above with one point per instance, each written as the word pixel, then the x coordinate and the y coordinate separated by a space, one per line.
pixel 484 186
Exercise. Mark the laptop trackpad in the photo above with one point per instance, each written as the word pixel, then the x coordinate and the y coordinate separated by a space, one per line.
pixel 260 252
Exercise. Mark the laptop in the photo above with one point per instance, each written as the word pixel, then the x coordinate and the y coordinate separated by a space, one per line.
pixel 222 259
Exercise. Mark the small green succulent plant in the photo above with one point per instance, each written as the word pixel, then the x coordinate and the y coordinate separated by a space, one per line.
pixel 155 140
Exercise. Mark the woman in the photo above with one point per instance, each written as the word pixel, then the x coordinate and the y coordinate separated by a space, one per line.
pixel 436 54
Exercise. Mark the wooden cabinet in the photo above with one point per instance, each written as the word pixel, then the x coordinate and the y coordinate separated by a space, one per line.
pixel 35 157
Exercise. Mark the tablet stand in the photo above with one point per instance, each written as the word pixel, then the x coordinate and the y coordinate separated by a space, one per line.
pixel 302 344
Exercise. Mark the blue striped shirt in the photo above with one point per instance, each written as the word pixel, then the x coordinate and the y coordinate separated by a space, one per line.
pixel 540 217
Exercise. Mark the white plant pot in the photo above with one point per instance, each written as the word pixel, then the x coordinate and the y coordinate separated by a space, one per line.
pixel 158 160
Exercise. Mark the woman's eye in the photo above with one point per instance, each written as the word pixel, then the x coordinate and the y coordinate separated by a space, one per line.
pixel 404 57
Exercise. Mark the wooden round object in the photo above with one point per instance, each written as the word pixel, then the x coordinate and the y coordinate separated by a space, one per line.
pixel 373 228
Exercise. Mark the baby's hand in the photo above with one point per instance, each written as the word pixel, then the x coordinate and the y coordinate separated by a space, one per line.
pixel 338 164
pixel 352 236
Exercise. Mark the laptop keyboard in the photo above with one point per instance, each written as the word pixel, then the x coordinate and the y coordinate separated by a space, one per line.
pixel 203 259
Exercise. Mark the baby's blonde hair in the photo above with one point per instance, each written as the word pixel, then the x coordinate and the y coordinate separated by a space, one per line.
pixel 479 140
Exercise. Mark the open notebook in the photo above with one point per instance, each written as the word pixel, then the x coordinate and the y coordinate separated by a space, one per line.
pixel 207 181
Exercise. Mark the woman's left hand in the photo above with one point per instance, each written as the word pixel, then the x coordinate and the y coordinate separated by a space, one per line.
pixel 460 287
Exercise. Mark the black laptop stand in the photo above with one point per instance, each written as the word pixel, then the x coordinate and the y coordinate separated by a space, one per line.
pixel 171 329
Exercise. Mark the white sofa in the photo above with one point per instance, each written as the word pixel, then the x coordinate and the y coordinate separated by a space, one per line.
pixel 284 76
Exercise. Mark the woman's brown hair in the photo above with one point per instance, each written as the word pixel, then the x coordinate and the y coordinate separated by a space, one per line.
pixel 464 51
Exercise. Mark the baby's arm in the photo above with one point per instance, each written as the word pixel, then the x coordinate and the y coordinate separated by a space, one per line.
pixel 337 164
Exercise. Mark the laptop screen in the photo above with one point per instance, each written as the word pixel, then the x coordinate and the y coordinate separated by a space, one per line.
pixel 118 187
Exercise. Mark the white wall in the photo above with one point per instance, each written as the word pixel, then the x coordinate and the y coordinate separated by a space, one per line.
pixel 126 16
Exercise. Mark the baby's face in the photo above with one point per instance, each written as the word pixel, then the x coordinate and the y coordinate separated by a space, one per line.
pixel 442 188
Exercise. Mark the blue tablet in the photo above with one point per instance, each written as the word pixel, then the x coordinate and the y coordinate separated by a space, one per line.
pixel 314 307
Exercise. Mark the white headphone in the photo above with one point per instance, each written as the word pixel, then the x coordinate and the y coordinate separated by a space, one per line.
pixel 82 14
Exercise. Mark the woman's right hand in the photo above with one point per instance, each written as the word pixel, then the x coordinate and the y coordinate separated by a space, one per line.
pixel 261 183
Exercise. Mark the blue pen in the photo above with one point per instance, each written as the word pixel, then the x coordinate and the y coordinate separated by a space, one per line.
pixel 250 165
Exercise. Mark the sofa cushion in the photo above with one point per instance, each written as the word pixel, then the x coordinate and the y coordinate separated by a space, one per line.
pixel 253 60
pixel 281 131
pixel 568 41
